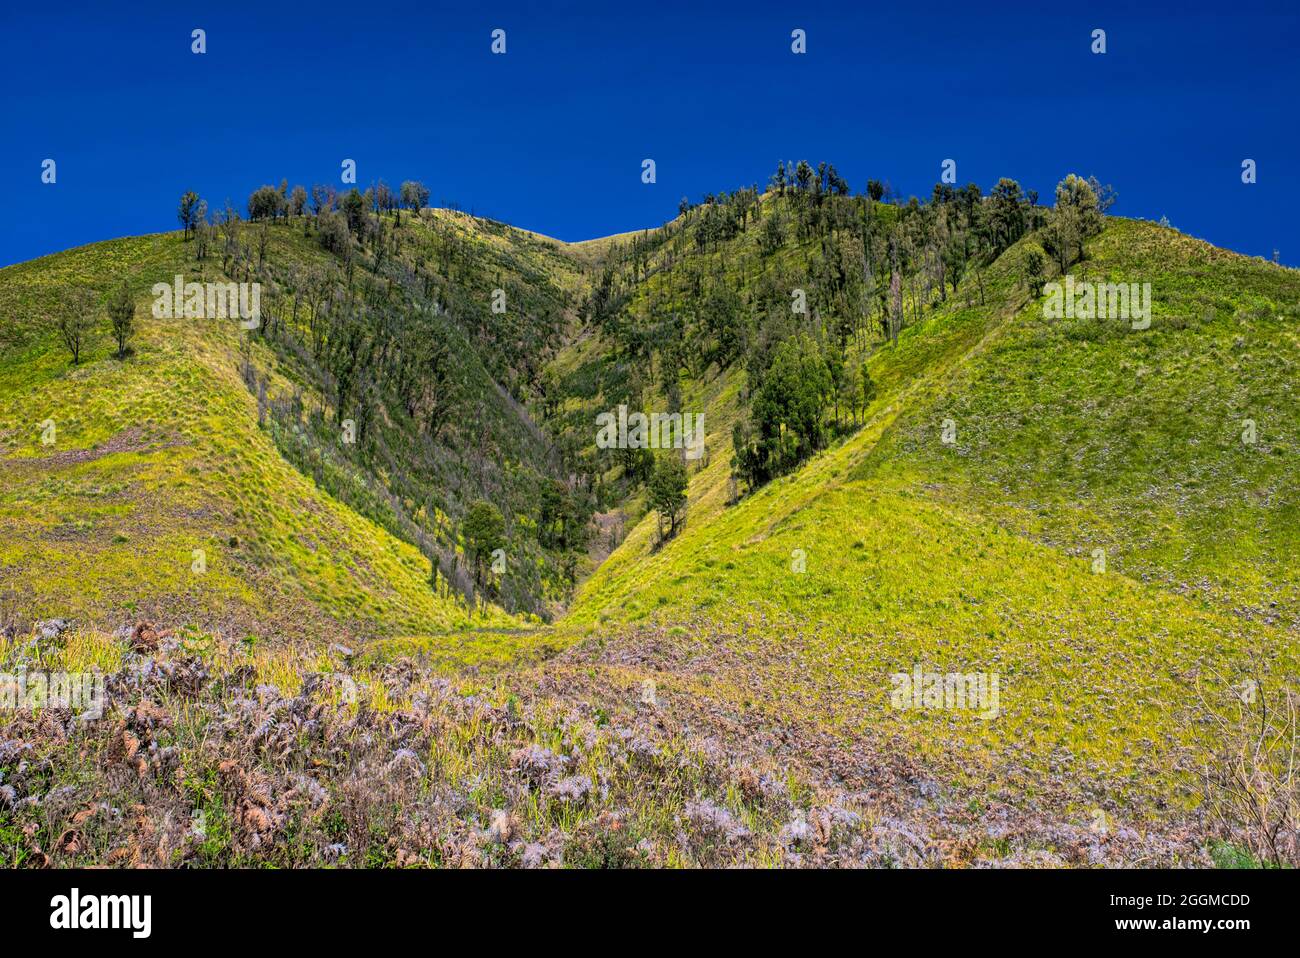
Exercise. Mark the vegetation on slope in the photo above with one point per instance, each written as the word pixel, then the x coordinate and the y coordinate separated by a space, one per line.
pixel 907 465
pixel 1172 447
pixel 154 456
pixel 420 332
pixel 893 548
pixel 221 755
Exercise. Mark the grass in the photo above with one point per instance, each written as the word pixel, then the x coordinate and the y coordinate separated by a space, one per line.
pixel 1086 434
pixel 770 627
pixel 159 455
pixel 228 756
pixel 227 759
pixel 978 557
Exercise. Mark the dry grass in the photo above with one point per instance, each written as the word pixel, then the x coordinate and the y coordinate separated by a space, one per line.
pixel 212 753
pixel 1252 792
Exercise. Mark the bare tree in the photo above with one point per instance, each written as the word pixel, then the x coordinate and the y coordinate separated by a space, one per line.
pixel 1252 782
pixel 202 231
pixel 322 198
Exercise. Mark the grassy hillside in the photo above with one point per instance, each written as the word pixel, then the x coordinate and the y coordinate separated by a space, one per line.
pixel 428 332
pixel 1086 434
pixel 160 454
pixel 978 557
pixel 1097 535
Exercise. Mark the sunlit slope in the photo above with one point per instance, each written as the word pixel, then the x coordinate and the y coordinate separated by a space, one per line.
pixel 1084 433
pixel 978 557
pixel 1173 448
pixel 159 455
pixel 906 375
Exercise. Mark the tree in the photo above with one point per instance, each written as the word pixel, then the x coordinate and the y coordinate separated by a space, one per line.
pixel 353 207
pixel 786 412
pixel 265 203
pixel 484 531
pixel 803 176
pixel 415 195
pixel 668 492
pixel 637 463
pixel 188 211
pixel 833 357
pixel 894 320
pixel 231 247
pixel 322 198
pixel 1106 195
pixel 1078 215
pixel 263 238
pixel 332 230
pixel 550 502
pixel 298 201
pixel 772 235
pixel 75 319
pixel 866 388
pixel 1034 272
pixel 121 317
pixel 1006 214
pixel 202 231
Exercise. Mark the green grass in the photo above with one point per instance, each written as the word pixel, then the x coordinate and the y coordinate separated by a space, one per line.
pixel 971 557
pixel 160 454
pixel 978 556
pixel 1227 855
pixel 1086 434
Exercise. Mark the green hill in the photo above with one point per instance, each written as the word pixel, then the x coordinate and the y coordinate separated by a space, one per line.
pixel 909 467
pixel 159 455
pixel 978 556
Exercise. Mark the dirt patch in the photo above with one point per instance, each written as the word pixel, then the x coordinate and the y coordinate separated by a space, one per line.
pixel 131 439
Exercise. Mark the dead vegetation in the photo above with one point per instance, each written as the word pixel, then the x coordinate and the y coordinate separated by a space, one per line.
pixel 1251 788
pixel 210 754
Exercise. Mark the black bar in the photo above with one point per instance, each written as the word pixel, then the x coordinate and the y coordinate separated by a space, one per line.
pixel 330 908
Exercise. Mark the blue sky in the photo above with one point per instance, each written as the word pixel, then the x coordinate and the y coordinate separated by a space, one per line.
pixel 551 135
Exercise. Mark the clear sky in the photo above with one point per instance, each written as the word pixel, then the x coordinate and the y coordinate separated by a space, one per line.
pixel 551 135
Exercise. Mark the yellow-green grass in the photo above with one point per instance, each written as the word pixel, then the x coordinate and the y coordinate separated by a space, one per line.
pixel 909 563
pixel 1088 434
pixel 159 455
pixel 593 252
